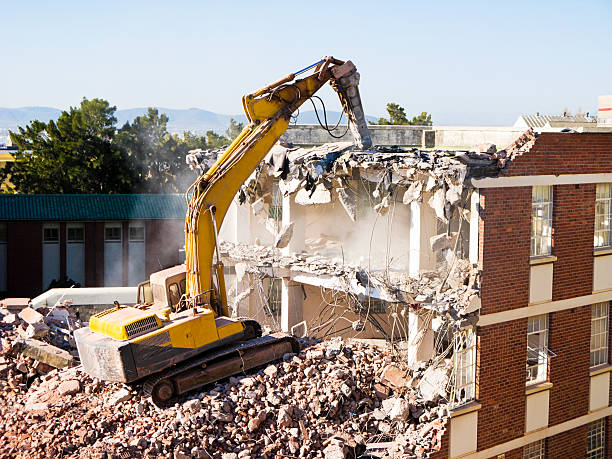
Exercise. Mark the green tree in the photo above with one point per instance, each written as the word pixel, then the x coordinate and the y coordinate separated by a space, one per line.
pixel 75 154
pixel 397 116
pixel 215 140
pixel 157 157
pixel 233 130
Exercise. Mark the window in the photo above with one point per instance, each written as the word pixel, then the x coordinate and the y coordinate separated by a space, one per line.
pixel 275 211
pixel 603 200
pixel 75 234
pixel 275 297
pixel 535 450
pixel 464 367
pixel 596 440
pixel 599 333
pixel 537 350
pixel 50 234
pixel 112 234
pixel 174 295
pixel 137 233
pixel 541 221
pixel 374 306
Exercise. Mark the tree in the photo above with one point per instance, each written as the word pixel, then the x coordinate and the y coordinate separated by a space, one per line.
pixel 233 130
pixel 76 154
pixel 157 157
pixel 216 140
pixel 397 116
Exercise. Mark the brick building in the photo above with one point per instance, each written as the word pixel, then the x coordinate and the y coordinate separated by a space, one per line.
pixel 545 255
pixel 530 355
pixel 95 240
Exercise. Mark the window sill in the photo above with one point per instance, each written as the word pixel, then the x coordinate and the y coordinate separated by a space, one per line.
pixel 599 369
pixel 534 388
pixel 465 409
pixel 598 252
pixel 542 260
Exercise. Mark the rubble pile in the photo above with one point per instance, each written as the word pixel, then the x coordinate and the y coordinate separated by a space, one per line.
pixel 334 399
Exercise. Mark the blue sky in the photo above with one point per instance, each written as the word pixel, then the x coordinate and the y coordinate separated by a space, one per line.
pixel 460 60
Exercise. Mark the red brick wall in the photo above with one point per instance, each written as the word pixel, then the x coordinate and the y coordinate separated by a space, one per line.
pixel 505 234
pixel 569 335
pixel 563 153
pixel 568 444
pixel 501 381
pixel 24 259
pixel 574 225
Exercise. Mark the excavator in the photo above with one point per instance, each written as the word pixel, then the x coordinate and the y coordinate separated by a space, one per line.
pixel 180 337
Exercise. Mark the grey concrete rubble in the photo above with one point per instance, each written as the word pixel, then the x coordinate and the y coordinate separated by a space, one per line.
pixel 327 401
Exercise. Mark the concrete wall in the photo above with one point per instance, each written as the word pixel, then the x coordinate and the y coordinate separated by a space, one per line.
pixel 412 136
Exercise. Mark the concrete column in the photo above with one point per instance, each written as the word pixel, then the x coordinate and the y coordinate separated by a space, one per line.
pixel 420 337
pixel 423 225
pixel 294 213
pixel 292 304
pixel 474 226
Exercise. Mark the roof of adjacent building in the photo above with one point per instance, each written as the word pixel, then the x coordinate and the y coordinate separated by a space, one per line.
pixel 80 207
pixel 540 121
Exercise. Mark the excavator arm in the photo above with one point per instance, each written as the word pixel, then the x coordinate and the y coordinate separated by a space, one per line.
pixel 268 111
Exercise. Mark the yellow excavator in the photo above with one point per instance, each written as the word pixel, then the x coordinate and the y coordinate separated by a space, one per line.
pixel 180 337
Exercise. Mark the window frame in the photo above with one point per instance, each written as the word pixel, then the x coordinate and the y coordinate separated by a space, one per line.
pixel 71 228
pixel 48 228
pixel 598 351
pixel 602 235
pixel 464 367
pixel 535 450
pixel 541 221
pixel 541 350
pixel 597 430
pixel 113 228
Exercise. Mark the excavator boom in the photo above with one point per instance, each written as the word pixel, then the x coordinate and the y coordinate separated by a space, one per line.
pixel 269 111
pixel 173 349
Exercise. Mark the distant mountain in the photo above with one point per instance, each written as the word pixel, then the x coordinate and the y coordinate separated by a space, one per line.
pixel 10 118
pixel 191 119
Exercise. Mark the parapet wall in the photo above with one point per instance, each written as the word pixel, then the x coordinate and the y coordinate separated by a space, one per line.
pixel 409 136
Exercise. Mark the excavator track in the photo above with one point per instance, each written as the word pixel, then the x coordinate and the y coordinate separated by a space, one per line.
pixel 163 388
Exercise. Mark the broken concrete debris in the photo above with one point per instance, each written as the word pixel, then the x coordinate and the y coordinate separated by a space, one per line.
pixel 322 402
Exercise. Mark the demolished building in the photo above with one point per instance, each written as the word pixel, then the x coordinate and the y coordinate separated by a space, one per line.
pixel 450 254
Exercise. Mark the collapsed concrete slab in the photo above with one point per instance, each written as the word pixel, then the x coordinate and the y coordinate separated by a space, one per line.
pixel 44 352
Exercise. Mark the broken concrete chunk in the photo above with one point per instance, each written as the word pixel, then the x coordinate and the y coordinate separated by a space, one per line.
pixel 69 387
pixel 37 330
pixel 241 269
pixel 284 236
pixel 433 383
pixel 438 202
pixel 400 410
pixel 442 241
pixel 321 195
pixel 10 318
pixel 413 193
pixel 120 396
pixel 348 201
pixel 453 194
pixel 489 148
pixel 31 316
pixel 44 352
pixel 258 206
pixel 395 377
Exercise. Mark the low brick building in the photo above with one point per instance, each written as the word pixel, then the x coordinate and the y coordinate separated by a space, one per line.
pixel 95 240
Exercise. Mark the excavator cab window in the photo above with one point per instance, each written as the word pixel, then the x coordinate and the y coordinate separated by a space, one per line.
pixel 174 295
pixel 145 294
pixel 183 287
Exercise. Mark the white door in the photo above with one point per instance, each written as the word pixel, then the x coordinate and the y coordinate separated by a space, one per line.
pixel 113 255
pixel 3 258
pixel 136 250
pixel 51 254
pixel 75 252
